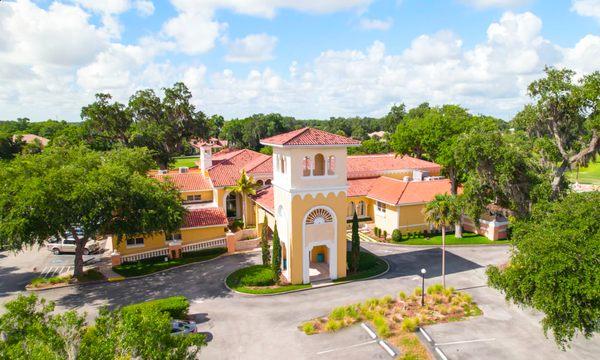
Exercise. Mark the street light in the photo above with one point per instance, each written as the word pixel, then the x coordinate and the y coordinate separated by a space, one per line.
pixel 423 271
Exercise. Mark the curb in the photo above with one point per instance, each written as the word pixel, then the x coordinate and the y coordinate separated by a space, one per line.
pixel 312 287
pixel 439 246
pixel 116 279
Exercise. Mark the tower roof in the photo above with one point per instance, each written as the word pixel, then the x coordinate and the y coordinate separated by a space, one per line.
pixel 309 137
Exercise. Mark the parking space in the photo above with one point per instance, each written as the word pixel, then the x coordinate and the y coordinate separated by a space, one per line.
pixel 353 342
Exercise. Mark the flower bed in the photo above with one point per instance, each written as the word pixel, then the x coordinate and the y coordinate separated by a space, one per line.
pixel 397 318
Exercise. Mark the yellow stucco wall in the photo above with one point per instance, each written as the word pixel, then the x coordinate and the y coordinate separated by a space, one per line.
pixel 387 221
pixel 205 195
pixel 190 236
pixel 151 242
pixel 368 204
pixel 299 208
pixel 412 218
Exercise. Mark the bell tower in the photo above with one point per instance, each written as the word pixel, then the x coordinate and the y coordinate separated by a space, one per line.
pixel 309 186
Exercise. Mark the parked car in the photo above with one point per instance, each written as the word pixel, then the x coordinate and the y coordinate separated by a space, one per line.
pixel 61 245
pixel 179 327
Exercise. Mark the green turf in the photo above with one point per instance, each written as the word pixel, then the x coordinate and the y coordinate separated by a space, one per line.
pixel 258 279
pixel 150 266
pixel 587 175
pixel 467 239
pixel 185 162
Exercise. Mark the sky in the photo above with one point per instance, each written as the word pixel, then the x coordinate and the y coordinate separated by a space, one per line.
pixel 303 58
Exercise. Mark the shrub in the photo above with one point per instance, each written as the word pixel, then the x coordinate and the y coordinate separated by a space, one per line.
pixel 402 295
pixel 352 312
pixel 333 325
pixel 410 324
pixel 381 325
pixel 258 275
pixel 396 235
pixel 417 291
pixel 435 289
pixel 309 328
pixel 177 306
pixel 338 313
pixel 377 231
pixel 426 234
pixel 384 234
pixel 386 300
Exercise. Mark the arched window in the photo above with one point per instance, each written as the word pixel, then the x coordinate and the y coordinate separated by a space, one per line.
pixel 361 210
pixel 282 164
pixel 268 182
pixel 319 216
pixel 319 168
pixel 331 165
pixel 306 166
pixel 259 183
pixel 351 209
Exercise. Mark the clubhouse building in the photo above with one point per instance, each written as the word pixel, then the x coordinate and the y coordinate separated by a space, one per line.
pixel 309 188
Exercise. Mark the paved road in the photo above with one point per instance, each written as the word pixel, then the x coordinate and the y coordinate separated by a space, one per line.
pixel 247 327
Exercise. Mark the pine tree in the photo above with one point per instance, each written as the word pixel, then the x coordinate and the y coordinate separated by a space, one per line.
pixel 276 264
pixel 264 243
pixel 355 252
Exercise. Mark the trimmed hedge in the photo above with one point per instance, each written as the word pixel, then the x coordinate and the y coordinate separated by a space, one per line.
pixel 176 306
pixel 257 275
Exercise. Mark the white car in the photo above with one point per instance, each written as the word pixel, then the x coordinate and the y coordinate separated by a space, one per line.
pixel 179 327
pixel 62 245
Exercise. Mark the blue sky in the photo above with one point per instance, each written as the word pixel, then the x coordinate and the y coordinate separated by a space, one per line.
pixel 301 58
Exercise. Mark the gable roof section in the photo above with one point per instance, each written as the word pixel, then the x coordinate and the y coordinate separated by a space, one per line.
pixel 191 181
pixel 362 166
pixel 260 165
pixel 264 197
pixel 397 192
pixel 229 167
pixel 360 187
pixel 210 216
pixel 309 137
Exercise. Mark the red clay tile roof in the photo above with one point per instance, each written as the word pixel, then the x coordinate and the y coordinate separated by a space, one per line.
pixel 309 136
pixel 190 181
pixel 229 167
pixel 360 187
pixel 261 164
pixel 264 197
pixel 398 192
pixel 363 166
pixel 204 217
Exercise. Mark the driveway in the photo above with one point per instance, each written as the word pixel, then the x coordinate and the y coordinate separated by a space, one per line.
pixel 248 327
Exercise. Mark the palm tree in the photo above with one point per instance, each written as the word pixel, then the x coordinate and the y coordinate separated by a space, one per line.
pixel 442 211
pixel 244 186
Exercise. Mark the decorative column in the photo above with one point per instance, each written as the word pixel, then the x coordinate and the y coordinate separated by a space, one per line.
pixel 174 249
pixel 115 258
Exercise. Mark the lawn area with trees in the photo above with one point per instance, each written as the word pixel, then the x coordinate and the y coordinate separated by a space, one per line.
pixel 466 239
pixel 586 174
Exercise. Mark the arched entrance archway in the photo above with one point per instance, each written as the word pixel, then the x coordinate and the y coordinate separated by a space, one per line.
pixel 319 244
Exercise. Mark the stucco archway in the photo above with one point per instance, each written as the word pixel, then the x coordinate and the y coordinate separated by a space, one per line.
pixel 319 228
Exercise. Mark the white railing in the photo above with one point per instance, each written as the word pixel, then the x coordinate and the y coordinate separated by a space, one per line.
pixel 145 255
pixel 204 245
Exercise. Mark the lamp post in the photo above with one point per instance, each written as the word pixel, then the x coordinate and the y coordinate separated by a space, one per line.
pixel 423 271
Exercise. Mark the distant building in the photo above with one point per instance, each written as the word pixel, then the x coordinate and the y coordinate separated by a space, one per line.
pixel 31 138
pixel 215 144
pixel 380 135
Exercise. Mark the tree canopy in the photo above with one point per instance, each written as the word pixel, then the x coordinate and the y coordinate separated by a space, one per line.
pixel 555 266
pixel 61 189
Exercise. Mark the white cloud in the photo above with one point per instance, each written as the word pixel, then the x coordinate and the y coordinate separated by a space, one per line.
pixel 376 24
pixel 442 46
pixel 144 7
pixel 589 8
pixel 495 3
pixel 252 48
pixel 110 9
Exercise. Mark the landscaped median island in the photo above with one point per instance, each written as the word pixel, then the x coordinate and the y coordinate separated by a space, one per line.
pixel 421 238
pixel 259 279
pixel 42 283
pixel 396 319
pixel 152 265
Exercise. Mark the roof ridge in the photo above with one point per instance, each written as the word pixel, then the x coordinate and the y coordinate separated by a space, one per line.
pixel 403 190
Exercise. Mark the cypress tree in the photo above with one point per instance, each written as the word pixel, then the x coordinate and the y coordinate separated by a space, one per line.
pixel 355 252
pixel 264 243
pixel 276 264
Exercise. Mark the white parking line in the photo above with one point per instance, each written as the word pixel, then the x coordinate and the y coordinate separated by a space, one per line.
pixel 368 330
pixel 425 334
pixel 347 347
pixel 464 341
pixel 440 353
pixel 387 348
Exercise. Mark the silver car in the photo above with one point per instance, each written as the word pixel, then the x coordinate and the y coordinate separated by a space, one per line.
pixel 61 245
pixel 179 327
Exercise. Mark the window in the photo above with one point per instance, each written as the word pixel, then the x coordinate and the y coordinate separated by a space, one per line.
pixel 194 197
pixel 319 216
pixel 351 209
pixel 331 165
pixel 361 209
pixel 282 164
pixel 139 241
pixel 319 168
pixel 306 166
pixel 173 236
pixel 380 207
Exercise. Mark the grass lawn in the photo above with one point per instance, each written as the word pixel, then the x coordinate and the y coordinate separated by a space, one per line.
pixel 185 162
pixel 89 275
pixel 150 266
pixel 258 279
pixel 368 265
pixel 467 239
pixel 587 175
